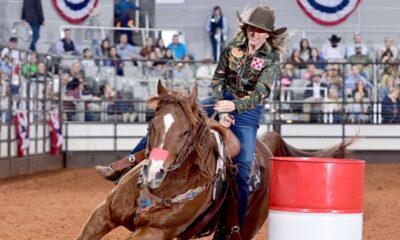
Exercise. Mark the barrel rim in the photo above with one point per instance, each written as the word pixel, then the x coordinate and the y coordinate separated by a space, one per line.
pixel 318 160
pixel 318 210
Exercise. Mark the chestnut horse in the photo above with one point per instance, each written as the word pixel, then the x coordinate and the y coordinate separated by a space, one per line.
pixel 162 196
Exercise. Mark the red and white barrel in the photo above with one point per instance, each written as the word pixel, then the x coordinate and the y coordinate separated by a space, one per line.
pixel 316 199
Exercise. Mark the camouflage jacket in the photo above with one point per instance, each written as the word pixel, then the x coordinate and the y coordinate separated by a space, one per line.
pixel 249 77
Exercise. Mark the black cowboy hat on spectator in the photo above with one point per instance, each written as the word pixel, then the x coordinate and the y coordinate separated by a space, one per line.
pixel 334 38
pixel 262 17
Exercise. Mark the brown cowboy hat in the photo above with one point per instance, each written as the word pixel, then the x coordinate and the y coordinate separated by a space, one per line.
pixel 262 17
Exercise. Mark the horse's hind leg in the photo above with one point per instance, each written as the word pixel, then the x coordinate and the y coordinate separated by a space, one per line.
pixel 148 234
pixel 98 224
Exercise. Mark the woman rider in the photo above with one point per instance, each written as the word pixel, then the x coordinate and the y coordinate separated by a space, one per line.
pixel 247 69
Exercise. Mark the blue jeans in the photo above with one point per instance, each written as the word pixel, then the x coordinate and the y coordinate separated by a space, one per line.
pixel 245 129
pixel 214 45
pixel 35 36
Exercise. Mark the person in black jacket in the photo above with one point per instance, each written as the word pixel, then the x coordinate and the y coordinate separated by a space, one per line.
pixel 32 13
pixel 315 92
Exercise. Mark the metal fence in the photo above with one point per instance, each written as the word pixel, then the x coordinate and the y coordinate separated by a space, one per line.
pixel 134 80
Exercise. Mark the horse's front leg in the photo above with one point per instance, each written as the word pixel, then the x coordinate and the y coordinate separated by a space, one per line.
pixel 148 233
pixel 98 224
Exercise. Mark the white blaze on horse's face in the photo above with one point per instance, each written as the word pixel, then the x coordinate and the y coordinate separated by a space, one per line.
pixel 168 121
pixel 156 169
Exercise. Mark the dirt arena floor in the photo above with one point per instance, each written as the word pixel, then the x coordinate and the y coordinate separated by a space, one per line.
pixel 54 205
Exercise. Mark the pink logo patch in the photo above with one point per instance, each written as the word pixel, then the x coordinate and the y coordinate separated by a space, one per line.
pixel 257 63
pixel 158 154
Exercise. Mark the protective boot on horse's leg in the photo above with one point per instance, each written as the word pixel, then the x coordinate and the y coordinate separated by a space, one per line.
pixel 114 171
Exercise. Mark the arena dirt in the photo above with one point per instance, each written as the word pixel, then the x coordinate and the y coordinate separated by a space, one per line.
pixel 55 205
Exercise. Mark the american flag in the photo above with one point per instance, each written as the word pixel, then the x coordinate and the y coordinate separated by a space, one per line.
pixel 22 132
pixel 55 132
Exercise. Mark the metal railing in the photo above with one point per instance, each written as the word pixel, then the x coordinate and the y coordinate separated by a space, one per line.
pixel 283 107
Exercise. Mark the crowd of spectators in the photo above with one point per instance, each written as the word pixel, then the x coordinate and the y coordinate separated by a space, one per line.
pixel 327 77
pixel 343 74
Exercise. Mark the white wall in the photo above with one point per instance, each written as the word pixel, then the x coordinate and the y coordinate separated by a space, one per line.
pixel 371 17
pixel 88 137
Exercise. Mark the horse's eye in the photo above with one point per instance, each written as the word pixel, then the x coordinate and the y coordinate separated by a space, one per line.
pixel 184 134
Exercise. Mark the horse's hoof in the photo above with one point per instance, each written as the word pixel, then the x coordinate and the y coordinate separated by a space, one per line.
pixel 107 173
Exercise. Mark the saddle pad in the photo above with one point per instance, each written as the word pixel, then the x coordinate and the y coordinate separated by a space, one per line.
pixel 255 175
pixel 219 184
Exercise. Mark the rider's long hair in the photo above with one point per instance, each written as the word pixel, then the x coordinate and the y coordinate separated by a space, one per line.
pixel 276 42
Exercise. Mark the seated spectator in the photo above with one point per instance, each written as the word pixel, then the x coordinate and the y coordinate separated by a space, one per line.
pixel 361 88
pixel 125 50
pixel 391 106
pixel 316 59
pixel 352 79
pixel 387 56
pixel 30 68
pixel 73 90
pixel 305 49
pixel 296 59
pixel 288 74
pixel 76 71
pixel 104 47
pixel 119 106
pixel 65 79
pixel 311 70
pixel 357 110
pixel 78 90
pixel 333 105
pixel 350 51
pixel 204 75
pixel 184 72
pixel 358 57
pixel 316 89
pixel 179 50
pixel 115 61
pixel 189 64
pixel 315 92
pixel 387 83
pixel 148 66
pixel 88 58
pixel 6 65
pixel 333 50
pixel 66 45
pixel 148 48
pixel 168 55
pixel 160 48
pixel 388 51
pixel 333 77
pixel 11 50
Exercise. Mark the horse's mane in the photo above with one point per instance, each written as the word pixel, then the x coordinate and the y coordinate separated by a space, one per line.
pixel 199 127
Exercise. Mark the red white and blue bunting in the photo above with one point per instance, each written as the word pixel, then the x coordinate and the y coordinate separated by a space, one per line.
pixel 22 132
pixel 328 12
pixel 75 11
pixel 55 133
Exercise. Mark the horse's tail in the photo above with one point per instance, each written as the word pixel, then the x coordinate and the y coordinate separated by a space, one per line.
pixel 280 148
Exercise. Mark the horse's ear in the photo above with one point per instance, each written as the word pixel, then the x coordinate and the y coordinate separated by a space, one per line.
pixel 152 103
pixel 194 95
pixel 160 88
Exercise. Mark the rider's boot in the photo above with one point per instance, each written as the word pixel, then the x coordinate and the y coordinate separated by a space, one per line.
pixel 114 171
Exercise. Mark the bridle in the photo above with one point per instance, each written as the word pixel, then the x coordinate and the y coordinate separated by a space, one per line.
pixel 185 150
